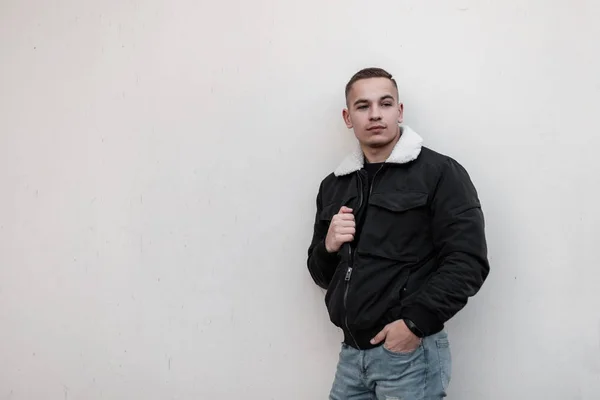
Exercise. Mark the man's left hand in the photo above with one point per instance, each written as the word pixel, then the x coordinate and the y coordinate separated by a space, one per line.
pixel 398 338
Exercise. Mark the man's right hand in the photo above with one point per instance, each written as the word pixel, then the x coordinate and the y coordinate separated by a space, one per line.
pixel 341 230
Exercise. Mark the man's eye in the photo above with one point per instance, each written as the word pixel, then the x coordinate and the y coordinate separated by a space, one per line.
pixel 362 107
pixel 387 104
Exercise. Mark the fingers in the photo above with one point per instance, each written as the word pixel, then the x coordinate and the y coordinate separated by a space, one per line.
pixel 380 337
pixel 344 217
pixel 345 238
pixel 344 223
pixel 340 221
pixel 344 229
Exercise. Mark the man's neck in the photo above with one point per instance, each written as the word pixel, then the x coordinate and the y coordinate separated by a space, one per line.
pixel 380 154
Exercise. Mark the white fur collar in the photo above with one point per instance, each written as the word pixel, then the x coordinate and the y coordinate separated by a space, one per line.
pixel 407 149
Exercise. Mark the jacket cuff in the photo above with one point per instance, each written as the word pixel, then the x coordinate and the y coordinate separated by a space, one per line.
pixel 424 319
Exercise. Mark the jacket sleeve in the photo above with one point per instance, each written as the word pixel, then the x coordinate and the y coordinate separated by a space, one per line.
pixel 321 263
pixel 458 234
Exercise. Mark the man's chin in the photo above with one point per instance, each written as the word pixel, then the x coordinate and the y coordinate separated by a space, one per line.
pixel 377 143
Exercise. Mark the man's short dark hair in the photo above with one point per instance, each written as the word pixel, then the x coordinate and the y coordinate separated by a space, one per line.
pixel 367 73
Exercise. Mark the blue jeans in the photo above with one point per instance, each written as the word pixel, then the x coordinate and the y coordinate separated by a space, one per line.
pixel 380 374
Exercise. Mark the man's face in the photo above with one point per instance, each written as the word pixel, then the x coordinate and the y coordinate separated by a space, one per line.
pixel 374 111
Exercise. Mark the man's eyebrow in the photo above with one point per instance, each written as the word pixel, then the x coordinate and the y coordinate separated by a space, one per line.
pixel 385 97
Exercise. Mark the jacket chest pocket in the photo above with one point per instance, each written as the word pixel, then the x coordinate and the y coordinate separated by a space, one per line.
pixel 329 211
pixel 333 208
pixel 397 225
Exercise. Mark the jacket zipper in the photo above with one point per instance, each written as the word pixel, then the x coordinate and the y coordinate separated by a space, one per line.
pixel 373 180
pixel 351 260
pixel 349 273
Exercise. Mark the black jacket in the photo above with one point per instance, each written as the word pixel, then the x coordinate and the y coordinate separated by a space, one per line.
pixel 421 252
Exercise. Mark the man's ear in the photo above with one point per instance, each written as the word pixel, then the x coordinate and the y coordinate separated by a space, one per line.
pixel 347 119
pixel 400 113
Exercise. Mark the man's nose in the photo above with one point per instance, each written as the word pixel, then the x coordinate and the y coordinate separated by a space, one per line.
pixel 375 114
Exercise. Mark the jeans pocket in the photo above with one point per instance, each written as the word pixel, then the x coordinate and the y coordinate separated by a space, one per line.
pixel 400 355
pixel 445 358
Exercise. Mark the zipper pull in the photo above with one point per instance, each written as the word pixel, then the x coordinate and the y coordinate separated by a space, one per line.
pixel 348 273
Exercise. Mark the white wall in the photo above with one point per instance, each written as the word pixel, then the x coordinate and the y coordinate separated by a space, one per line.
pixel 149 249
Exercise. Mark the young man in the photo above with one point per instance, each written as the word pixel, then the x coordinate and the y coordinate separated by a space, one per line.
pixel 399 244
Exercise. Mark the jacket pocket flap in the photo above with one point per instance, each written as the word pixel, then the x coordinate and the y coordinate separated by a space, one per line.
pixel 333 208
pixel 399 201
